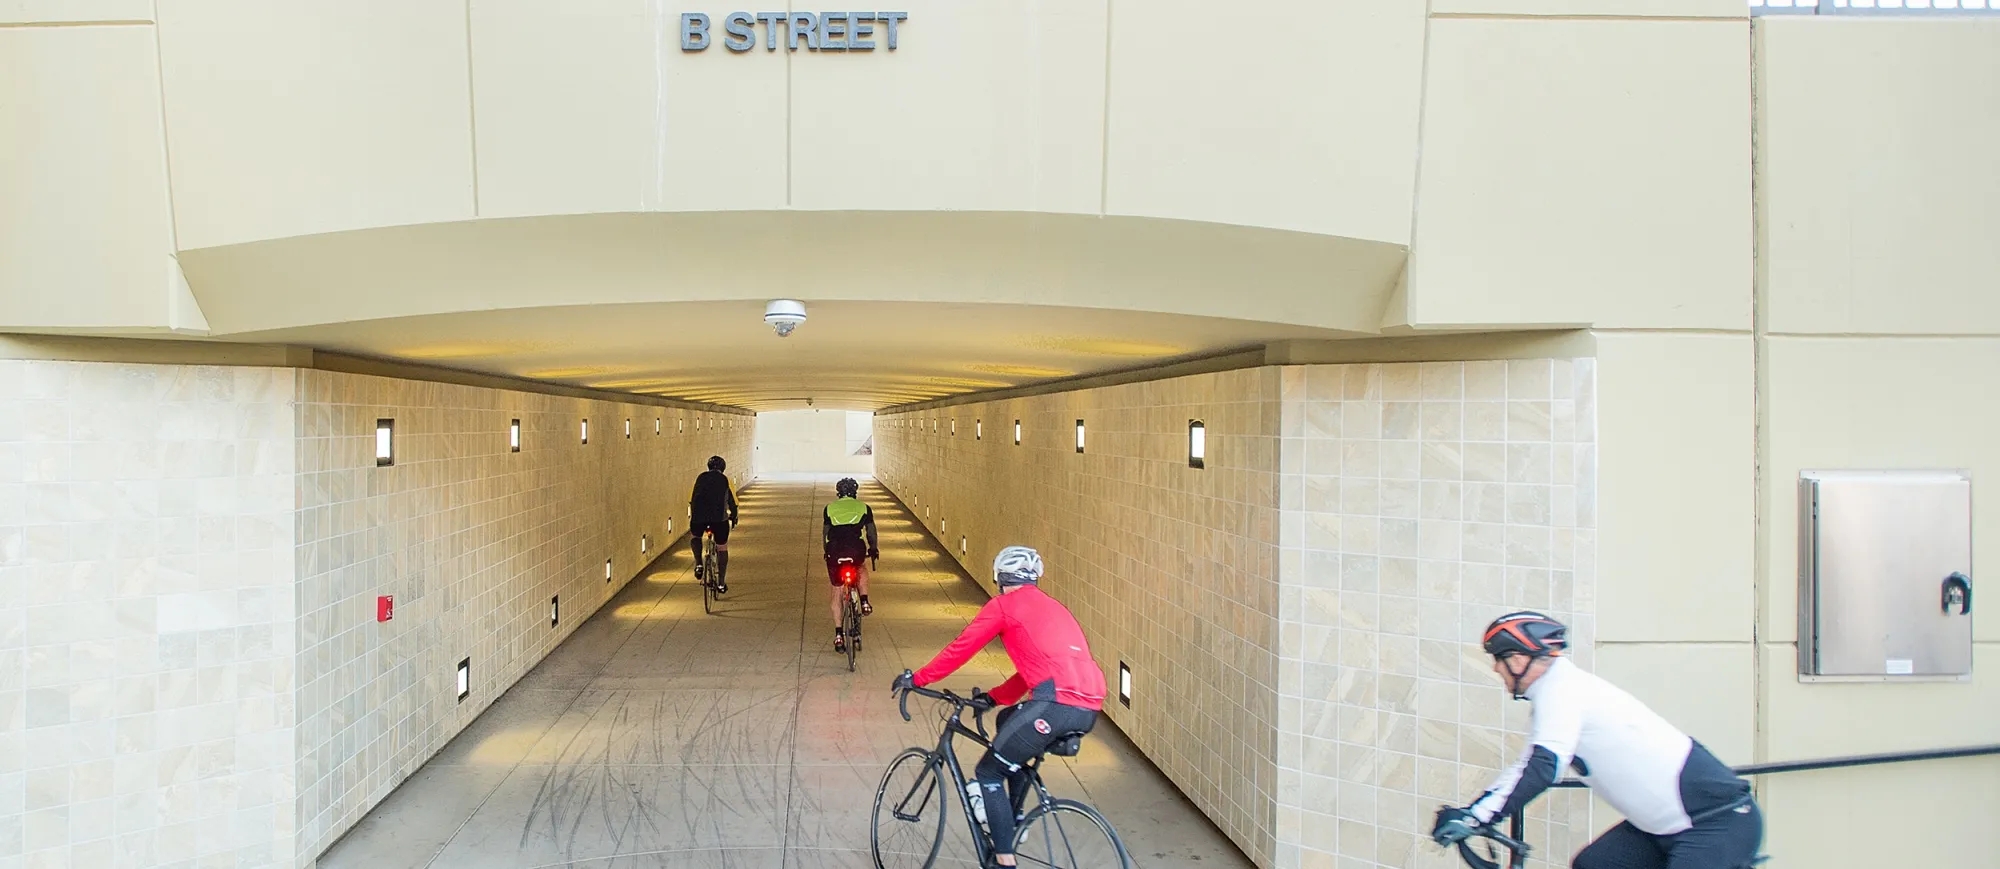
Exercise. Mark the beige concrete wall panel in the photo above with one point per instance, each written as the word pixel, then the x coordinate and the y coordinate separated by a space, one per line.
pixel 1585 172
pixel 1879 815
pixel 995 106
pixel 1806 720
pixel 1874 403
pixel 74 11
pixel 723 121
pixel 564 102
pixel 290 119
pixel 1080 261
pixel 1708 690
pixel 1879 217
pixel 1676 495
pixel 85 233
pixel 1605 8
pixel 1294 114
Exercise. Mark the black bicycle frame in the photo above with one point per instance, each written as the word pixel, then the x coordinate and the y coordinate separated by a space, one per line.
pixel 946 754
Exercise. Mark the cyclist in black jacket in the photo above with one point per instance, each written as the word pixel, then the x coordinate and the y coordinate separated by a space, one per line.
pixel 712 507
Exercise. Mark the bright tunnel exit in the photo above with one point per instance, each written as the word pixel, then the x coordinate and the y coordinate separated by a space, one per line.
pixel 815 441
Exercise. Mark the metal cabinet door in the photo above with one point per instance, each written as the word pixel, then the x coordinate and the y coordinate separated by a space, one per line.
pixel 1877 552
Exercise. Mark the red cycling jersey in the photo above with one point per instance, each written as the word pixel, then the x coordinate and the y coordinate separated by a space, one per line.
pixel 1042 639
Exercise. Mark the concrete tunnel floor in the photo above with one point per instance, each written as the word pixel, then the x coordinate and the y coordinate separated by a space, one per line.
pixel 657 736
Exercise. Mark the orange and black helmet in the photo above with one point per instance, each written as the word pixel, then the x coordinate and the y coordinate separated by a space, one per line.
pixel 1525 633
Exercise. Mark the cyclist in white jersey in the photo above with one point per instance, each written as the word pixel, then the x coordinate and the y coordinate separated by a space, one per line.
pixel 1683 808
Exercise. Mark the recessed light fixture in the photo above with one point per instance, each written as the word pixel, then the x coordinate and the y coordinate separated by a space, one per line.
pixel 681 426
pixel 555 610
pixel 645 544
pixel 514 436
pixel 954 426
pixel 1017 432
pixel 961 544
pixel 1079 435
pixel 670 524
pixel 1124 685
pixel 584 431
pixel 656 425
pixel 978 429
pixel 1197 444
pixel 464 679
pixel 385 442
pixel 607 570
pixel 628 428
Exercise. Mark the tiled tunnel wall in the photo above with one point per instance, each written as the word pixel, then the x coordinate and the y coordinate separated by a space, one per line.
pixel 473 539
pixel 1171 569
pixel 146 615
pixel 190 670
pixel 1422 500
pixel 1296 612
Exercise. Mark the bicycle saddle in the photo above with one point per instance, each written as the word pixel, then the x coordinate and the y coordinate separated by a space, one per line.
pixel 1068 745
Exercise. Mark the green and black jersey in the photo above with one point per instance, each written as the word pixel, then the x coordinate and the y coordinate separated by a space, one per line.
pixel 849 529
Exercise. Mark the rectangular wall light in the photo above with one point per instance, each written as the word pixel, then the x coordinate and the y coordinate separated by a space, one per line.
pixel 979 429
pixel 555 610
pixel 584 431
pixel 607 570
pixel 514 436
pixel 1079 435
pixel 645 544
pixel 961 544
pixel 1197 444
pixel 385 442
pixel 670 524
pixel 1017 432
pixel 954 426
pixel 1124 685
pixel 681 426
pixel 464 679
pixel 628 428
pixel 656 426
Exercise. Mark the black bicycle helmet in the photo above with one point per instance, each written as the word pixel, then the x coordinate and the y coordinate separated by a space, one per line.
pixel 715 463
pixel 847 488
pixel 1525 633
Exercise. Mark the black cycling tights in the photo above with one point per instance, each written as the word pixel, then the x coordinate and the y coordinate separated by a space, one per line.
pixel 1727 841
pixel 1024 732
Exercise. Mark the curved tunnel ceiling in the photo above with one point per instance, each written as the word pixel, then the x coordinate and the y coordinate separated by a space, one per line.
pixel 848 355
pixel 904 306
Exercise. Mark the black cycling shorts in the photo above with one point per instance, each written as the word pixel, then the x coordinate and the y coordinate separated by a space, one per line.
pixel 833 563
pixel 721 529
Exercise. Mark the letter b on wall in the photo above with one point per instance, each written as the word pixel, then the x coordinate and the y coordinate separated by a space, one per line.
pixel 694 31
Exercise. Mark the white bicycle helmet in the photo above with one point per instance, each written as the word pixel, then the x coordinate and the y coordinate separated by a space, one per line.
pixel 1017 565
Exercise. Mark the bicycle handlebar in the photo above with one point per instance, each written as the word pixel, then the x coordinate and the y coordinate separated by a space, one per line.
pixel 1518 848
pixel 978 703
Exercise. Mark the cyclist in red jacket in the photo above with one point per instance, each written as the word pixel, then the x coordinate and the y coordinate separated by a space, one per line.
pixel 1059 686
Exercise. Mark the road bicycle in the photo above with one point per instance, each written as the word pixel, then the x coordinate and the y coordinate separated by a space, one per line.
pixel 907 830
pixel 849 572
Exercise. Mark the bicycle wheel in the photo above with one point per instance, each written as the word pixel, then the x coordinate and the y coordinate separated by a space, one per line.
pixel 853 628
pixel 1063 834
pixel 908 824
pixel 708 579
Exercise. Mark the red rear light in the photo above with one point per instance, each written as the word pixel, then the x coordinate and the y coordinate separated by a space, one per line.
pixel 849 573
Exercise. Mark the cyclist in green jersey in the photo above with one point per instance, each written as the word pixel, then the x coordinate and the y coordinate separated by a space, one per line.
pixel 848 531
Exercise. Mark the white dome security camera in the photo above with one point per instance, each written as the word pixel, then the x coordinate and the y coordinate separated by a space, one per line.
pixel 785 315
